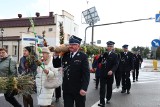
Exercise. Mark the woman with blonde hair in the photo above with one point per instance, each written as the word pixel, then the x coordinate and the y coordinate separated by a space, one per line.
pixel 44 94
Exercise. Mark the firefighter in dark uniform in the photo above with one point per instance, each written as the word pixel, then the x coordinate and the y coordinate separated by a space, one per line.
pixel 118 74
pixel 76 74
pixel 109 64
pixel 137 61
pixel 126 65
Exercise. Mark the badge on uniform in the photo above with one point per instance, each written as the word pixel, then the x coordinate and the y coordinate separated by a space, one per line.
pixel 77 60
pixel 78 54
pixel 66 62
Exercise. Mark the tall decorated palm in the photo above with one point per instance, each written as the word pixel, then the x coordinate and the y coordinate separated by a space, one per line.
pixel 61 33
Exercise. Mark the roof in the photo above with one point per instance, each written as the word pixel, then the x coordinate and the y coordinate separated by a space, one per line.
pixel 25 22
pixel 11 38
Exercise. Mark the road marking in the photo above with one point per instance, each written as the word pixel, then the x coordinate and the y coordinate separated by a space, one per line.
pixel 1 95
pixel 145 78
pixel 117 90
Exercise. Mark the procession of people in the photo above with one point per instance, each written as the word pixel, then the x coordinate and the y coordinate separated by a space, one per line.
pixel 75 73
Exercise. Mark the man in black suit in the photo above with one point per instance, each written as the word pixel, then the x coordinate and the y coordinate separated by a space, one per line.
pixel 109 66
pixel 118 74
pixel 137 61
pixel 76 74
pixel 125 66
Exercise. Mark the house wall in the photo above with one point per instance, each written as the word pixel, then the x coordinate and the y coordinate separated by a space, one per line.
pixel 51 36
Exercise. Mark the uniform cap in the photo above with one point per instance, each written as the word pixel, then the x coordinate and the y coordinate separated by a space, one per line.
pixel 110 43
pixel 125 46
pixel 74 40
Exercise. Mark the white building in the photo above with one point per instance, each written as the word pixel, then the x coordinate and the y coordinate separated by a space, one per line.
pixel 18 32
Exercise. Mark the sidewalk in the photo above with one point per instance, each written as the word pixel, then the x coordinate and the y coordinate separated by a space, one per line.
pixel 149 69
pixel 147 66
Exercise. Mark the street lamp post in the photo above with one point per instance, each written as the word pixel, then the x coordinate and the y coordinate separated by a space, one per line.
pixel 2 30
pixel 112 24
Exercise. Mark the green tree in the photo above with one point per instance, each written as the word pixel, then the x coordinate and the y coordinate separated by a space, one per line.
pixel 144 51
pixel 90 50
pixel 118 50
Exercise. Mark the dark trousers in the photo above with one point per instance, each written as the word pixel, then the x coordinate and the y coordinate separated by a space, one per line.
pixel 58 92
pixel 135 73
pixel 118 76
pixel 97 80
pixel 9 96
pixel 71 98
pixel 27 101
pixel 103 82
pixel 126 82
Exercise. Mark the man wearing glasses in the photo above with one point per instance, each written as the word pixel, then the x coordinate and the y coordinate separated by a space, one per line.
pixel 109 65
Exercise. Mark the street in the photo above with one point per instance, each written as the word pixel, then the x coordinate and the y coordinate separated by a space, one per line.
pixel 144 93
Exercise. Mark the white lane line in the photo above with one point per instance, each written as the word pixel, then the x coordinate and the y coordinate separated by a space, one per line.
pixel 114 90
pixel 1 95
pixel 117 90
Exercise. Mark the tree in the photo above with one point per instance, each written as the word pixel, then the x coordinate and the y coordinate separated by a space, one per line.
pixel 90 50
pixel 144 51
pixel 118 50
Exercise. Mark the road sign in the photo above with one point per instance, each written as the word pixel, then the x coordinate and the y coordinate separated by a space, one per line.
pixel 155 43
pixel 98 41
pixel 29 39
pixel 157 18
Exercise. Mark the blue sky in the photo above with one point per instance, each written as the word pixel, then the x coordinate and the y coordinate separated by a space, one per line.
pixel 134 34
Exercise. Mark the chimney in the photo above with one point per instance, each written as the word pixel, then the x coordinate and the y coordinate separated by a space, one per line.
pixel 50 14
pixel 37 14
pixel 20 15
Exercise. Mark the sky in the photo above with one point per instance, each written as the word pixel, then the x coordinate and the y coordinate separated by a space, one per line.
pixel 110 11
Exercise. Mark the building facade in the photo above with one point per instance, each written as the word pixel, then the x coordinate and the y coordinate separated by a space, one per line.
pixel 18 32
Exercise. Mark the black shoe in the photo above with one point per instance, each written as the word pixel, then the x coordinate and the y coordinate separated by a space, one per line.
pixel 128 92
pixel 96 87
pixel 123 91
pixel 133 80
pixel 117 86
pixel 108 102
pixel 57 99
pixel 136 79
pixel 101 105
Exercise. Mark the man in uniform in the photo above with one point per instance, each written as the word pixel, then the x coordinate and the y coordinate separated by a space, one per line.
pixel 125 66
pixel 76 74
pixel 118 74
pixel 109 66
pixel 137 61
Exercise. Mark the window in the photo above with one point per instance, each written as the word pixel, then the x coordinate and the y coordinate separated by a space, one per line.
pixel 5 46
pixel 14 50
pixel 50 29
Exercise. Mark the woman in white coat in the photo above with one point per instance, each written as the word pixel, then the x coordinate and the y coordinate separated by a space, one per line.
pixel 44 95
